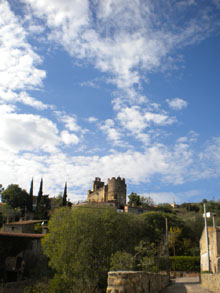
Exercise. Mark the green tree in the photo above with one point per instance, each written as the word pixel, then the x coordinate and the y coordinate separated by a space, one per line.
pixel 43 208
pixel 65 195
pixel 59 200
pixel 9 213
pixel 81 242
pixel 173 237
pixel 154 225
pixel 40 192
pixel 122 261
pixel 148 255
pixel 193 229
pixel 165 207
pixel 15 196
pixel 146 201
pixel 134 199
pixel 1 189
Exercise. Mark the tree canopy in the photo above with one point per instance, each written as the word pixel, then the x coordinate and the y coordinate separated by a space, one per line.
pixel 15 196
pixel 81 242
pixel 136 200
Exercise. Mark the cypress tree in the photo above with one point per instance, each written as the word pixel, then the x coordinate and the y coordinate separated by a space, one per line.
pixel 30 200
pixel 40 192
pixel 65 194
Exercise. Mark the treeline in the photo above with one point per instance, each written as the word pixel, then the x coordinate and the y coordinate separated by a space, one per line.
pixel 20 203
pixel 85 243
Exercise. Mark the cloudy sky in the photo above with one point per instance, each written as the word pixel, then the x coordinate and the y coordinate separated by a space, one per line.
pixel 93 88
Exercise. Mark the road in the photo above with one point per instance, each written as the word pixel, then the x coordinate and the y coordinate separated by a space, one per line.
pixel 186 285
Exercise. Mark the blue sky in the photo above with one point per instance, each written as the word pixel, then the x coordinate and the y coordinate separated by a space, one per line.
pixel 111 88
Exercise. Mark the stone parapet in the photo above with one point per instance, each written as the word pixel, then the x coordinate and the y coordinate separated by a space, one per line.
pixel 136 282
pixel 211 282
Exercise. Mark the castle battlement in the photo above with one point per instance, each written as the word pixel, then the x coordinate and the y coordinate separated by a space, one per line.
pixel 118 179
pixel 114 191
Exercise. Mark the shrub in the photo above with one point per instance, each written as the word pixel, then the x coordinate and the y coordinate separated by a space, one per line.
pixel 183 263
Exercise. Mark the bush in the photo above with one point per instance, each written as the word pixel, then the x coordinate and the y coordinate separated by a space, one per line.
pixel 183 263
pixel 122 261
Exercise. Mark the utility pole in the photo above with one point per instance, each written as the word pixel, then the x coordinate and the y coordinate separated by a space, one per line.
pixel 207 237
pixel 167 251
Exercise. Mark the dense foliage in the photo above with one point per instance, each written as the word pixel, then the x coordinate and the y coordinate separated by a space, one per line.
pixel 185 263
pixel 84 243
pixel 136 200
pixel 81 242
pixel 15 196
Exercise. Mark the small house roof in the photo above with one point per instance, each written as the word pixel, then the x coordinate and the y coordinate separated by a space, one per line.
pixel 22 235
pixel 25 222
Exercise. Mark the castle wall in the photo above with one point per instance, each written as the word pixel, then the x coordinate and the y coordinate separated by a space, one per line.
pixel 98 195
pixel 114 191
pixel 117 190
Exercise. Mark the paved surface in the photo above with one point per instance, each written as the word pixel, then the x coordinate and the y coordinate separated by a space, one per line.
pixel 186 285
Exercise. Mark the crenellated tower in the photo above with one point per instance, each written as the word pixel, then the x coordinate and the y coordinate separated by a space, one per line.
pixel 117 191
pixel 113 193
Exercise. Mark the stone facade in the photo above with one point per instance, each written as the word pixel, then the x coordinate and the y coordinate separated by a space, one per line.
pixel 136 282
pixel 21 226
pixel 214 250
pixel 211 282
pixel 113 192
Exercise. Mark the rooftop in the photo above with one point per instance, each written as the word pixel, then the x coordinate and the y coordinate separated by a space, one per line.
pixel 25 222
pixel 23 235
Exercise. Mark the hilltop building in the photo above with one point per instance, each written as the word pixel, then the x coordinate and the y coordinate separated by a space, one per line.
pixel 113 193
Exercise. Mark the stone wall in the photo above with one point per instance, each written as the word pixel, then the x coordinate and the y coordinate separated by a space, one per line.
pixel 211 281
pixel 114 191
pixel 136 282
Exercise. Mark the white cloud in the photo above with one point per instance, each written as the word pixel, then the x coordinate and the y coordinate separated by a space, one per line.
pixel 132 119
pixel 210 157
pixel 170 197
pixel 175 165
pixel 70 121
pixel 18 60
pixel 30 101
pixel 92 119
pixel 138 120
pixel 124 38
pixel 162 197
pixel 6 109
pixel 27 132
pixel 90 83
pixel 18 71
pixel 177 103
pixel 159 119
pixel 12 97
pixel 69 138
pixel 191 137
pixel 112 133
pixel 59 167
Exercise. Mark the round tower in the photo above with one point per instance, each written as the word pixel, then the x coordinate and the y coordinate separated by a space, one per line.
pixel 117 191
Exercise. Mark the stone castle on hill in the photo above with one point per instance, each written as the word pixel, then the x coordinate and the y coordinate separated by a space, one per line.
pixel 114 192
